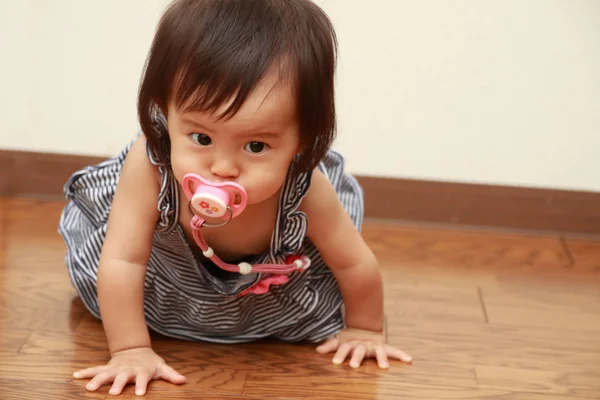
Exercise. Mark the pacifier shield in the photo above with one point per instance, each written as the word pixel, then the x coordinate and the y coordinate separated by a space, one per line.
pixel 212 199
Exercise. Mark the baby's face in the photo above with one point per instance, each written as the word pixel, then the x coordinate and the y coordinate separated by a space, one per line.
pixel 254 148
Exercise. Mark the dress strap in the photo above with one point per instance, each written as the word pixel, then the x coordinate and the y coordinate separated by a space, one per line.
pixel 168 198
pixel 292 224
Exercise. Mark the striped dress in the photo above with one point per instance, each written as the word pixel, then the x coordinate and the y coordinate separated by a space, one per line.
pixel 188 297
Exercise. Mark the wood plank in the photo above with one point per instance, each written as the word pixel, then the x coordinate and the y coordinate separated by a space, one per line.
pixel 424 372
pixel 498 345
pixel 543 308
pixel 19 389
pixel 326 388
pixel 3 223
pixel 204 376
pixel 66 346
pixel 181 393
pixel 224 368
pixel 44 216
pixel 89 326
pixel 47 368
pixel 408 300
pixel 465 250
pixel 11 340
pixel 267 357
pixel 32 239
pixel 586 254
pixel 36 289
pixel 39 319
pixel 539 381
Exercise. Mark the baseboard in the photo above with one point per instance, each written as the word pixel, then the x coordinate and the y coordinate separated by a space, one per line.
pixel 42 175
pixel 490 206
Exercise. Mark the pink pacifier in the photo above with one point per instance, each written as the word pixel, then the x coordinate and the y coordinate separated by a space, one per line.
pixel 214 200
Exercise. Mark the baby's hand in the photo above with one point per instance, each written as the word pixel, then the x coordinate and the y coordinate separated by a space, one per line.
pixel 139 365
pixel 362 344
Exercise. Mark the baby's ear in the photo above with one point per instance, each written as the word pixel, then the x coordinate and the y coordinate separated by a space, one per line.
pixel 162 107
pixel 300 148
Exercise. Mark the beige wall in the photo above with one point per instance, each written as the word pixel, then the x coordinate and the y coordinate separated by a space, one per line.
pixel 489 91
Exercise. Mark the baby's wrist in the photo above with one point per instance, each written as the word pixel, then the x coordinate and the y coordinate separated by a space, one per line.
pixel 363 329
pixel 367 324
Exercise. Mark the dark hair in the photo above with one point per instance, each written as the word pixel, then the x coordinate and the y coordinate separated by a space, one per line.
pixel 206 52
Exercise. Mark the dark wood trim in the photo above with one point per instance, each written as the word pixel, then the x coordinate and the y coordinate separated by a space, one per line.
pixel 43 175
pixel 522 208
pixel 33 174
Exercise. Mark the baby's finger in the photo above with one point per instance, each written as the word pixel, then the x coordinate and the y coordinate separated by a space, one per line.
pixel 90 372
pixel 342 353
pixel 398 354
pixel 358 356
pixel 382 358
pixel 328 346
pixel 169 374
pixel 121 380
pixel 101 379
pixel 141 382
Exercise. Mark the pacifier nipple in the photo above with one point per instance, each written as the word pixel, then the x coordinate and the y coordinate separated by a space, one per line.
pixel 214 200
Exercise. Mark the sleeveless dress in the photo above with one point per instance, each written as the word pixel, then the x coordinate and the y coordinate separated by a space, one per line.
pixel 189 298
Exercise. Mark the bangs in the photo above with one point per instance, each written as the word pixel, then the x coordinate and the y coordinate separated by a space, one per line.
pixel 193 92
pixel 226 48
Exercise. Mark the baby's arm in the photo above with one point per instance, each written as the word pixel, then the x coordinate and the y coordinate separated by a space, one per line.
pixel 121 273
pixel 347 255
pixel 355 267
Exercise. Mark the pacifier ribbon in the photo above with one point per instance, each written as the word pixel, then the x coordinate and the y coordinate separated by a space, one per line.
pixel 227 200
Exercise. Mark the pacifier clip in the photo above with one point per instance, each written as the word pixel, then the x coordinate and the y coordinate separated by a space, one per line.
pixel 227 200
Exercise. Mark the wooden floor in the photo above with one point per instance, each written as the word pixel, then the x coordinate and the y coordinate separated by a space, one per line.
pixel 485 316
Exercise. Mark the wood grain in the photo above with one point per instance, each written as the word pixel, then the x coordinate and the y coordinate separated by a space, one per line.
pixel 485 315
pixel 12 340
pixel 520 347
pixel 586 255
pixel 539 381
pixel 33 367
pixel 422 301
pixel 157 394
pixel 3 222
pixel 544 309
pixel 23 288
pixel 464 249
pixel 324 388
pixel 39 319
pixel 37 390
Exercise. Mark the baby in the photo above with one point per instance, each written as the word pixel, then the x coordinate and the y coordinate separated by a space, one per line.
pixel 228 218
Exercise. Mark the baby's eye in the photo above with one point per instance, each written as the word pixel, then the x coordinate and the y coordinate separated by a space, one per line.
pixel 256 147
pixel 201 139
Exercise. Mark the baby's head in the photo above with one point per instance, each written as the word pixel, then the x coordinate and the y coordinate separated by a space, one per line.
pixel 247 88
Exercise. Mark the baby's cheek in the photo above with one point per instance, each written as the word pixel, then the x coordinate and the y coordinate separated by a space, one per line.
pixel 265 185
pixel 187 162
